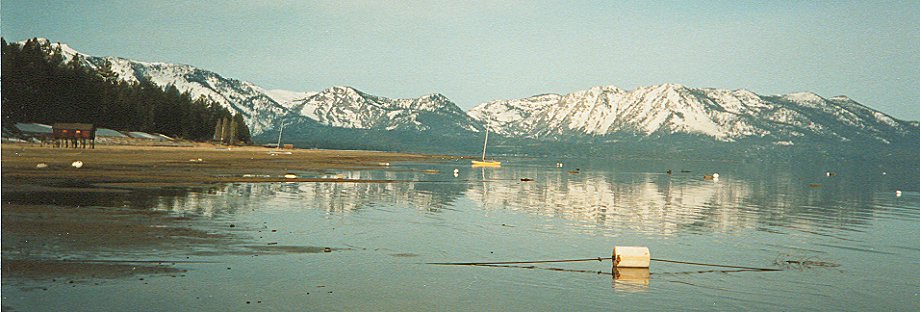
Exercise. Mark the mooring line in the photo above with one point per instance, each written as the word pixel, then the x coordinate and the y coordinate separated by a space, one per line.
pixel 599 259
pixel 716 265
pixel 520 262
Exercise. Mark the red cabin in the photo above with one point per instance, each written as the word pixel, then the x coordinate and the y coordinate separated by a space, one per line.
pixel 73 135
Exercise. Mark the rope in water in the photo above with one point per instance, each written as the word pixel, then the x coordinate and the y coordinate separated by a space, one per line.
pixel 597 259
pixel 520 262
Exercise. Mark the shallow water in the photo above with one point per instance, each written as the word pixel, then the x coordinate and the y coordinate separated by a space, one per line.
pixel 860 239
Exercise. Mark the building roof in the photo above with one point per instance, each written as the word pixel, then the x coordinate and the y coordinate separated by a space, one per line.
pixel 105 132
pixel 33 128
pixel 75 126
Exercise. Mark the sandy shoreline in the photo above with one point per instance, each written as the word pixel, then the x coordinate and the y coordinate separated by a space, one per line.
pixel 49 234
pixel 165 166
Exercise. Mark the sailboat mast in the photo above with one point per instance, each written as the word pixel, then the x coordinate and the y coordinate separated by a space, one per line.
pixel 484 143
pixel 279 136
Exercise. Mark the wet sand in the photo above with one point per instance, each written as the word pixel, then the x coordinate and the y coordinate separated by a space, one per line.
pixel 55 229
pixel 169 166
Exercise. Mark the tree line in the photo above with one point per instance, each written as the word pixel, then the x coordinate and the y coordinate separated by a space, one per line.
pixel 39 85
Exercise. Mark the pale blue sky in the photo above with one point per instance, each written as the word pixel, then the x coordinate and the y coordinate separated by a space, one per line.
pixel 476 51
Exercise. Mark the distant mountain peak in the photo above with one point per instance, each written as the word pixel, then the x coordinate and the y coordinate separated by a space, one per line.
pixel 804 97
pixel 669 108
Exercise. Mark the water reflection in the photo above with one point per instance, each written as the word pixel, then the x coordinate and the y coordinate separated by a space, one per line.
pixel 597 199
pixel 606 200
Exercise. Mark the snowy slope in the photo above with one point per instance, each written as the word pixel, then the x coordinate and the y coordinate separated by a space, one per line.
pixel 346 107
pixel 258 109
pixel 263 109
pixel 723 115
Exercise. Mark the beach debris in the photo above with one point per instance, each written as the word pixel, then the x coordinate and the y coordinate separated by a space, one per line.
pixel 250 175
pixel 526 179
pixel 41 165
pixel 631 257
pixel 897 193
pixel 290 176
pixel 77 164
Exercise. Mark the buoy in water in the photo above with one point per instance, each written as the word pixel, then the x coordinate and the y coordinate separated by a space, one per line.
pixel 631 257
pixel 456 172
pixel 897 193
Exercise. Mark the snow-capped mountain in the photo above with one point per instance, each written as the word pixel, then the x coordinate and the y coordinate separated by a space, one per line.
pixel 723 115
pixel 259 109
pixel 346 107
pixel 263 109
pixel 330 114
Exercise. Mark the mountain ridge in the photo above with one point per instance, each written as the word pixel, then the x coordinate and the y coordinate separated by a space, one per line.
pixel 649 111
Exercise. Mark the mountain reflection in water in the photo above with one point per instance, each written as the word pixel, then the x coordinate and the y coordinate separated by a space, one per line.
pixel 599 199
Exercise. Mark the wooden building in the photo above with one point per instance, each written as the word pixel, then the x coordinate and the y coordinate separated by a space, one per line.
pixel 74 135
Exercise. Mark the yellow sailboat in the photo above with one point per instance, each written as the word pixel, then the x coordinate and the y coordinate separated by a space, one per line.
pixel 484 162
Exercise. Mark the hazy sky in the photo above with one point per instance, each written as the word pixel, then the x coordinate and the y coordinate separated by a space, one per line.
pixel 474 51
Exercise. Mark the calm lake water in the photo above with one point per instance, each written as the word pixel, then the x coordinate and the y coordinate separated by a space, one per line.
pixel 860 238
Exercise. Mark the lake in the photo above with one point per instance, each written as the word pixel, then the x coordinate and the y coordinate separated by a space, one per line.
pixel 838 234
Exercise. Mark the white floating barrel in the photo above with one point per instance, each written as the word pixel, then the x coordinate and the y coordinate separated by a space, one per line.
pixel 631 257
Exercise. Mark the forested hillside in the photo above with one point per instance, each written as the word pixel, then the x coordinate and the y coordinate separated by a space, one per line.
pixel 40 86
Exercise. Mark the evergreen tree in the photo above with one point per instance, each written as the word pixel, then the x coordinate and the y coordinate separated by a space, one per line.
pixel 243 131
pixel 225 131
pixel 234 132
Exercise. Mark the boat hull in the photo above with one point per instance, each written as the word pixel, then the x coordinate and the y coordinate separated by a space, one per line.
pixel 486 163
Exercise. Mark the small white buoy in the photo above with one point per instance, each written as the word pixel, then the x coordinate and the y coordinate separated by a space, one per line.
pixel 631 257
pixel 77 164
pixel 897 193
pixel 41 166
pixel 558 165
pixel 290 176
pixel 884 173
pixel 715 175
pixel 456 172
